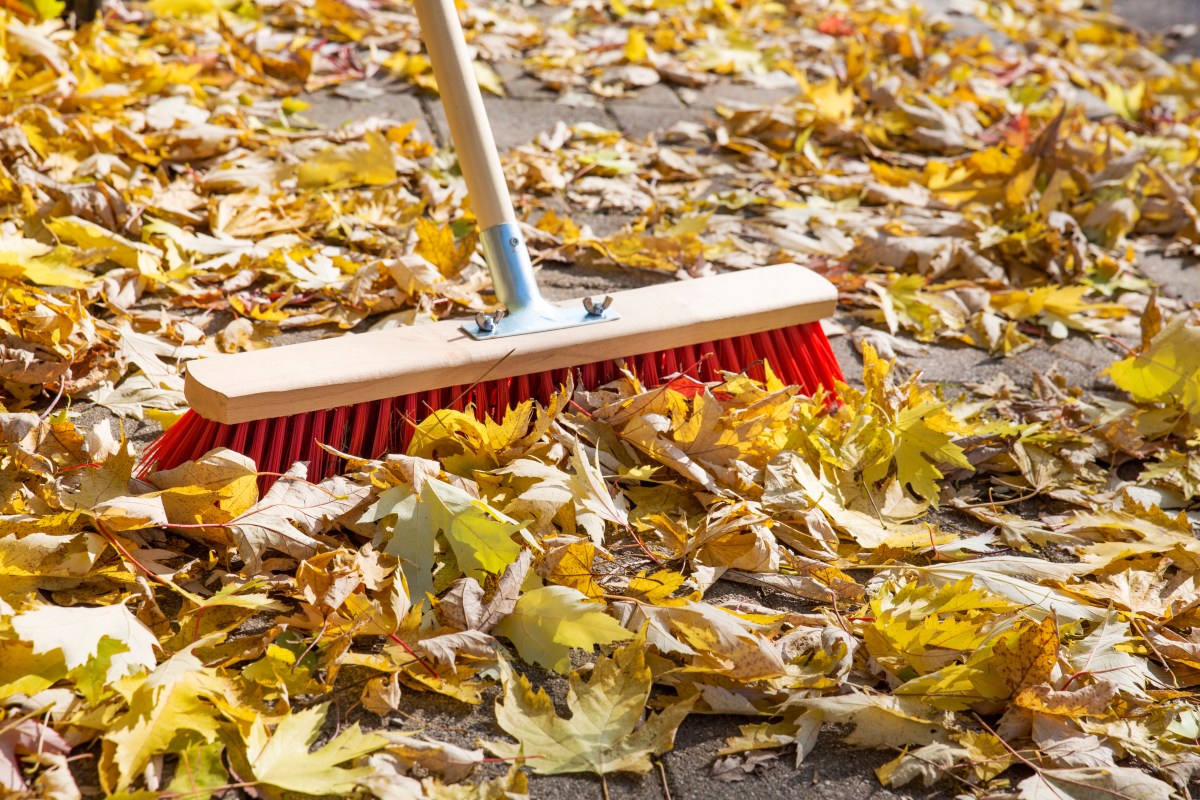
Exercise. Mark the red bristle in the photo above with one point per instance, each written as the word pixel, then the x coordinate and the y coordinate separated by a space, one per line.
pixel 240 435
pixel 771 354
pixel 707 362
pixel 258 440
pixel 502 401
pixel 546 387
pixel 799 355
pixel 296 434
pixel 275 444
pixel 383 428
pixel 360 424
pixel 648 369
pixel 318 459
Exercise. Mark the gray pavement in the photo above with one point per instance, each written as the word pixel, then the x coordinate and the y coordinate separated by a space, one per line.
pixel 1166 17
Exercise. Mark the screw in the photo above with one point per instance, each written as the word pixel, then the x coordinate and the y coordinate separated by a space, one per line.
pixel 513 242
pixel 487 322
pixel 595 309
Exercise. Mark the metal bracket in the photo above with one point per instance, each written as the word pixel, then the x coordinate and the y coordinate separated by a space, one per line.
pixel 537 320
pixel 525 310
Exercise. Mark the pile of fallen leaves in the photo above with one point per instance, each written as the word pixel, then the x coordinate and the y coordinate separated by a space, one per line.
pixel 998 583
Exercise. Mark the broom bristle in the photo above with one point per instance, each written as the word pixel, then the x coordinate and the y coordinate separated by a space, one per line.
pixel 798 355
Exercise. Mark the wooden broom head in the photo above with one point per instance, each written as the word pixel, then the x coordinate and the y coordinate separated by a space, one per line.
pixel 358 368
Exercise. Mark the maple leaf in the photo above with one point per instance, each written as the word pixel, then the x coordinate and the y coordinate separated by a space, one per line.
pixel 878 719
pixel 1167 370
pixel 1027 659
pixel 999 575
pixel 462 607
pixel 282 757
pixel 480 535
pixel 547 622
pixel 716 639
pixel 1093 783
pixel 1098 654
pixel 215 488
pixel 78 630
pixel 369 163
pixel 290 514
pixel 437 245
pixel 168 704
pixel 921 435
pixel 605 732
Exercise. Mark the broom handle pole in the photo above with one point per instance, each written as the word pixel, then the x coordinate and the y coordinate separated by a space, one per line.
pixel 459 90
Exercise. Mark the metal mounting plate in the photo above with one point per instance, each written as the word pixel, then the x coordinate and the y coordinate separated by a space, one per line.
pixel 539 319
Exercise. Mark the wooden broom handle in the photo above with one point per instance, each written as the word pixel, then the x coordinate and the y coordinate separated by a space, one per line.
pixel 459 90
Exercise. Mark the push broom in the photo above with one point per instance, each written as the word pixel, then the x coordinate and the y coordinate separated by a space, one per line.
pixel 362 393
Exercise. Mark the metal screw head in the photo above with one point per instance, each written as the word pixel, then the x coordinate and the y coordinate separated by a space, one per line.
pixel 595 309
pixel 487 322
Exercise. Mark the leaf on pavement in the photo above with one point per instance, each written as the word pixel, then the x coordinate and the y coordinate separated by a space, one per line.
pixel 546 623
pixel 606 731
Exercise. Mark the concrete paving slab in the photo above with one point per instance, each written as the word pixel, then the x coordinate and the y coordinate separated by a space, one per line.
pixel 1177 277
pixel 1161 16
pixel 519 83
pixel 962 19
pixel 1078 359
pixel 727 91
pixel 660 96
pixel 333 111
pixel 653 109
pixel 515 121
pixel 577 280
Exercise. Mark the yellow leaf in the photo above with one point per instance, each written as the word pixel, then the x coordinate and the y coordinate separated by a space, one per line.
pixel 366 163
pixel 657 588
pixel 489 81
pixel 636 50
pixel 606 731
pixel 1029 658
pixel 212 490
pixel 40 263
pixel 282 759
pixel 88 235
pixel 1168 371
pixel 571 565
pixel 832 102
pixel 546 623
pixel 436 244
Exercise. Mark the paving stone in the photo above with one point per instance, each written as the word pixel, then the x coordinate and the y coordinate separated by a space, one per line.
pixel 1176 277
pixel 660 96
pixel 962 19
pixel 560 282
pixel 333 111
pixel 1078 359
pixel 519 83
pixel 1162 15
pixel 639 121
pixel 726 91
pixel 653 109
pixel 601 224
pixel 515 121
